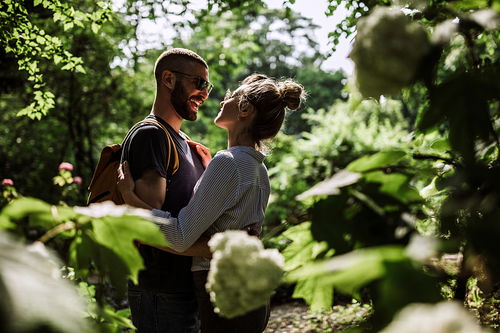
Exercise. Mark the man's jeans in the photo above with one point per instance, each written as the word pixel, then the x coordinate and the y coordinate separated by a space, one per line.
pixel 163 313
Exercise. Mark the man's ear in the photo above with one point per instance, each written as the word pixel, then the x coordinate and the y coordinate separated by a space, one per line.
pixel 168 79
pixel 247 112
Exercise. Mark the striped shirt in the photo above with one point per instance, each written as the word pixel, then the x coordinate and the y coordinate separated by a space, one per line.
pixel 232 193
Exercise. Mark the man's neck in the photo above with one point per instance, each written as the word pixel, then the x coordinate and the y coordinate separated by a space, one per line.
pixel 167 112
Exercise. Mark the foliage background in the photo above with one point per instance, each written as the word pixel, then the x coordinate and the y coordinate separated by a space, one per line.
pixel 421 162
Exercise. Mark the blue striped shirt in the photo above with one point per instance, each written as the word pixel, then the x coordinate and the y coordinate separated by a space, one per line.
pixel 232 193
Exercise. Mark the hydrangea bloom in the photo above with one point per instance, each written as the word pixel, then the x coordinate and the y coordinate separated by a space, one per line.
pixel 422 248
pixel 66 166
pixel 243 274
pixel 387 52
pixel 108 208
pixel 77 180
pixel 444 317
pixel 7 182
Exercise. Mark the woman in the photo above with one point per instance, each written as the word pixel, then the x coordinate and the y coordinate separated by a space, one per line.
pixel 233 191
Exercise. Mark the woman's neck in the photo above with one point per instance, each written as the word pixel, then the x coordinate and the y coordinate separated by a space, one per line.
pixel 238 138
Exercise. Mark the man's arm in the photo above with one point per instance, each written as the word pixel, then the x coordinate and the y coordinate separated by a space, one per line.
pixel 150 184
pixel 151 188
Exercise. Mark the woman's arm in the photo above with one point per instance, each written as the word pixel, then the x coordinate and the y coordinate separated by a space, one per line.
pixel 217 191
pixel 126 184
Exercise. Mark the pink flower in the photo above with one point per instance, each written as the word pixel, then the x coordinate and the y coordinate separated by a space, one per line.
pixel 7 182
pixel 77 180
pixel 66 166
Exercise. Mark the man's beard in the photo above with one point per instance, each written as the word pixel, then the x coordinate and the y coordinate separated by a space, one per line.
pixel 180 103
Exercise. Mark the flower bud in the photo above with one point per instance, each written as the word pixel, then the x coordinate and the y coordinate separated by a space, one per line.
pixel 66 166
pixel 7 182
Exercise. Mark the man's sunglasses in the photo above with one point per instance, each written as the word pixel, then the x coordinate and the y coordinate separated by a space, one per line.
pixel 201 84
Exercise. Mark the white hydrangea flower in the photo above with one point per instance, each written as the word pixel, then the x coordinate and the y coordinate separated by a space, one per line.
pixel 443 317
pixel 488 18
pixel 108 208
pixel 422 248
pixel 420 5
pixel 387 52
pixel 243 274
pixel 444 31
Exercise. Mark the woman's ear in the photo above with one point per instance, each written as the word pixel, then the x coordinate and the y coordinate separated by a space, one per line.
pixel 247 112
pixel 168 79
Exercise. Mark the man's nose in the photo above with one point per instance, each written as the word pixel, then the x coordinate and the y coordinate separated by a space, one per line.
pixel 204 93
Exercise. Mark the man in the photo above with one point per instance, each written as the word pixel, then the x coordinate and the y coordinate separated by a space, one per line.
pixel 164 301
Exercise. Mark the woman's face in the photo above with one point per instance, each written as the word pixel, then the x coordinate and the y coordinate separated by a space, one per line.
pixel 228 114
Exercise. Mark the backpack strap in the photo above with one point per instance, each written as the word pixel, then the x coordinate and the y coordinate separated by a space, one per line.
pixel 173 155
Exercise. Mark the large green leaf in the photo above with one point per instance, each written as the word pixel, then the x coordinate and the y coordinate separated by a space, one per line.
pixel 332 185
pixel 375 161
pixel 349 272
pixel 403 283
pixel 330 223
pixel 117 234
pixel 303 247
pixel 39 213
pixel 396 185
pixel 317 292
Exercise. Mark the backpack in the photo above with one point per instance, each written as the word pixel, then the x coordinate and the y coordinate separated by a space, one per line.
pixel 103 184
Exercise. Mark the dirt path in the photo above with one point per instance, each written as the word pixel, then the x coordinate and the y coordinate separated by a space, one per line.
pixel 295 318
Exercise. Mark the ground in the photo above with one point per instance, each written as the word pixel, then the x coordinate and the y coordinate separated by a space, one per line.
pixel 294 317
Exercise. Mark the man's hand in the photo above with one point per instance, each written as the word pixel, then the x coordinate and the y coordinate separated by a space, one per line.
pixel 203 152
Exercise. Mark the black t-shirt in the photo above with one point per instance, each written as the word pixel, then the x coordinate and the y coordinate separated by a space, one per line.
pixel 146 149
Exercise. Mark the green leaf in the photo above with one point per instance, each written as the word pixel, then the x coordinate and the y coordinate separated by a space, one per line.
pixel 118 235
pixel 330 224
pixel 95 27
pixel 391 293
pixel 396 185
pixel 317 292
pixel 378 160
pixel 5 223
pixel 332 186
pixel 80 69
pixel 349 272
pixel 117 318
pixel 87 252
pixel 40 212
pixel 303 247
pixel 57 16
pixel 57 59
pixel 68 25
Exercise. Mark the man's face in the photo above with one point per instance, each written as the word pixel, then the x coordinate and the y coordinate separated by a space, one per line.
pixel 186 97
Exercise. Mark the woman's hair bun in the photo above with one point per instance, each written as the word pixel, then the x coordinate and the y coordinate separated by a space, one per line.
pixel 292 93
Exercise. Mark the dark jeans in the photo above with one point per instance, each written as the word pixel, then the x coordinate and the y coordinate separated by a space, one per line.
pixel 163 313
pixel 252 322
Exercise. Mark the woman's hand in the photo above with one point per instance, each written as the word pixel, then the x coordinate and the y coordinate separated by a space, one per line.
pixel 203 152
pixel 125 183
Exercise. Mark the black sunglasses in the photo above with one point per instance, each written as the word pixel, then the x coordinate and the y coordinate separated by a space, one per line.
pixel 201 84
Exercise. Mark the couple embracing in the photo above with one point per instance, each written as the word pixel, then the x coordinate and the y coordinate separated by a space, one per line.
pixel 204 196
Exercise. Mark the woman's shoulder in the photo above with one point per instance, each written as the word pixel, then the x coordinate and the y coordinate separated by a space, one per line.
pixel 223 158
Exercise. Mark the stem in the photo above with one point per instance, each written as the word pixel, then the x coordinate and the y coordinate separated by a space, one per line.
pixel 57 230
pixel 435 158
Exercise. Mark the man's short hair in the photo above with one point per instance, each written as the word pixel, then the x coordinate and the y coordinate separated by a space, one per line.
pixel 175 59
